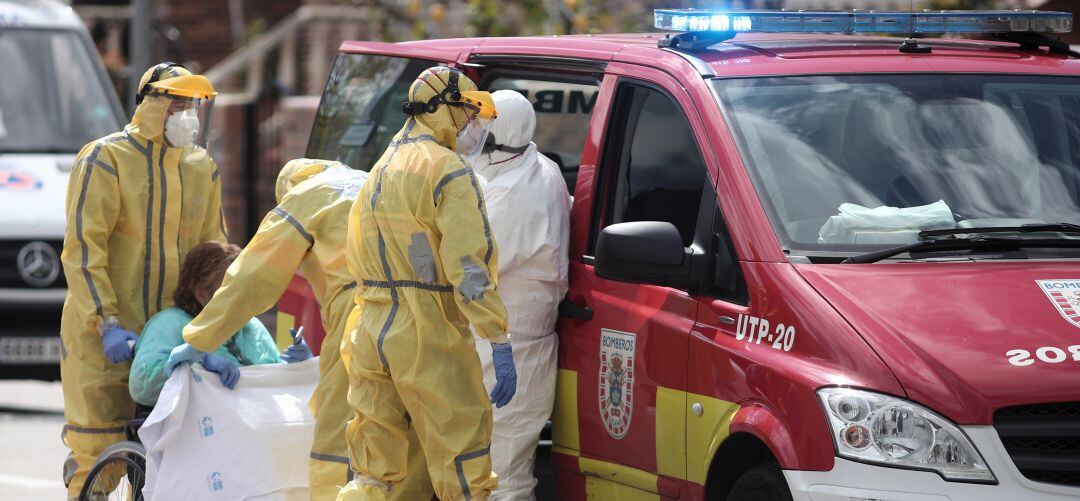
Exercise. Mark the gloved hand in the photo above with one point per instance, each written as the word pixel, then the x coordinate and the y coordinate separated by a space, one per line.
pixel 299 350
pixel 502 355
pixel 115 341
pixel 228 370
pixel 181 354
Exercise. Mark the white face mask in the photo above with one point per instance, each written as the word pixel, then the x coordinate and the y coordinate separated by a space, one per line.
pixel 181 128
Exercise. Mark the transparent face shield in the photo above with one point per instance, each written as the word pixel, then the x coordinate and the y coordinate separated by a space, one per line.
pixel 187 121
pixel 471 140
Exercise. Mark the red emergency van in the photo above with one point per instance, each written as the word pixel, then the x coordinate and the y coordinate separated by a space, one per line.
pixel 804 266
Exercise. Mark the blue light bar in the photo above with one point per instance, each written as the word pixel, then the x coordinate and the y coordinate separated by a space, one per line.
pixel 859 21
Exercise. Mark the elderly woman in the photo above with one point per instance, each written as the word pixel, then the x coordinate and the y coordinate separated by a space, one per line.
pixel 201 275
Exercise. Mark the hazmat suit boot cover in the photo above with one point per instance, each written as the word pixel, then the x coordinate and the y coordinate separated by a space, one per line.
pixel 421 249
pixel 306 231
pixel 529 207
pixel 135 207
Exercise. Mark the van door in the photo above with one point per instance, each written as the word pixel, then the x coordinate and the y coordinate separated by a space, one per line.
pixel 358 115
pixel 628 363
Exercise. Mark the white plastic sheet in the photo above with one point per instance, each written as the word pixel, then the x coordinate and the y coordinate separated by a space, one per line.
pixel 204 441
pixel 856 224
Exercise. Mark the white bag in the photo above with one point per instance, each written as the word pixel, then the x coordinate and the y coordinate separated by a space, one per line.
pixel 856 224
pixel 204 441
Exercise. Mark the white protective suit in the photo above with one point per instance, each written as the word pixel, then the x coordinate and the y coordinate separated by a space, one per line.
pixel 529 208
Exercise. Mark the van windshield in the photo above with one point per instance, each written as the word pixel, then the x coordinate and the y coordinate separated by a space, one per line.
pixel 853 163
pixel 52 99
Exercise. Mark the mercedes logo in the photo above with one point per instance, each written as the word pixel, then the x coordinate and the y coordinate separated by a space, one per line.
pixel 38 264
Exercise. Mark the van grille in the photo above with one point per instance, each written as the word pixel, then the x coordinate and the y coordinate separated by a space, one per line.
pixel 1043 440
pixel 9 273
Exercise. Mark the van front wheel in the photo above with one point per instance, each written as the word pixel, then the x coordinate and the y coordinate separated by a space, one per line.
pixel 764 482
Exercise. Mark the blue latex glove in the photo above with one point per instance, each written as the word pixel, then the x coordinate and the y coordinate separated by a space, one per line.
pixel 228 370
pixel 299 350
pixel 502 355
pixel 181 354
pixel 115 341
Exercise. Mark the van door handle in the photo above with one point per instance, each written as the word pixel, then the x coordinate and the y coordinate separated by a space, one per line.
pixel 568 309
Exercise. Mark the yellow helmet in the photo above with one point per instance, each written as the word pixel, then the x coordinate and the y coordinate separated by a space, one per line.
pixel 185 86
pixel 167 69
pixel 448 87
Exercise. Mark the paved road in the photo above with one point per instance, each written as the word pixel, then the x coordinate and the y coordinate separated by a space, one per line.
pixel 31 453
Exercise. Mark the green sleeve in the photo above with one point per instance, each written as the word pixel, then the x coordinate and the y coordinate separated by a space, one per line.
pixel 162 333
pixel 259 345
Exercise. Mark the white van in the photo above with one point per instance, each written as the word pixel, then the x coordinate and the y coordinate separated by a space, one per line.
pixel 54 98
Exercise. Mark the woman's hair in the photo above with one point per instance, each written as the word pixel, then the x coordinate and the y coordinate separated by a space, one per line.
pixel 203 269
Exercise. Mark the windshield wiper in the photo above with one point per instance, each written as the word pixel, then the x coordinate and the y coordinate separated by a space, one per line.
pixel 1024 228
pixel 960 244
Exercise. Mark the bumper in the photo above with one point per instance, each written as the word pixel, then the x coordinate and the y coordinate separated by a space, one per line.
pixel 853 481
pixel 32 296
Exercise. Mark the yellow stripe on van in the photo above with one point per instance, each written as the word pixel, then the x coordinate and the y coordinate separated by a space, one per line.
pixel 564 419
pixel 705 433
pixel 285 322
pixel 671 412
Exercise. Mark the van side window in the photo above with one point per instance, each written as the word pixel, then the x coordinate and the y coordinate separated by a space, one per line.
pixel 360 111
pixel 563 111
pixel 661 173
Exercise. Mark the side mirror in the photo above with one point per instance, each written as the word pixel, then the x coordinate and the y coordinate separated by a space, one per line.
pixel 646 252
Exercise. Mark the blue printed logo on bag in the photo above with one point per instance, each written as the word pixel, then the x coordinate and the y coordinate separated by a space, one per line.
pixel 206 427
pixel 213 480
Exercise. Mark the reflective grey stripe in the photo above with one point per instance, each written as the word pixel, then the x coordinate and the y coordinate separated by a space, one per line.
pixel 318 456
pixel 459 462
pixel 104 166
pixel 180 177
pixel 393 297
pixel 483 216
pixel 93 431
pixel 221 220
pixel 149 233
pixel 161 225
pixel 135 143
pixel 479 204
pixel 296 224
pixel 408 284
pixel 393 152
pixel 79 230
pixel 446 179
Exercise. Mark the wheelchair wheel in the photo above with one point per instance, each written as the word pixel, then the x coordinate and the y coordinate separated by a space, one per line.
pixel 118 474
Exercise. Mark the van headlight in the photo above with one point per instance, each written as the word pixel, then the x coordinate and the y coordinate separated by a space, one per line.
pixel 880 429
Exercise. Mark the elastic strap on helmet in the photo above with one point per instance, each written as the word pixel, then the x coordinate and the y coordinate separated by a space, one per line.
pixel 490 145
pixel 159 69
pixel 450 96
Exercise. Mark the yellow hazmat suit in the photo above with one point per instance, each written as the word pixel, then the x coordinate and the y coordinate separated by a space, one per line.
pixel 421 249
pixel 307 230
pixel 135 206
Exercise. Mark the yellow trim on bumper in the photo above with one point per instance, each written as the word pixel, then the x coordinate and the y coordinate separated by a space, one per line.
pixel 619 474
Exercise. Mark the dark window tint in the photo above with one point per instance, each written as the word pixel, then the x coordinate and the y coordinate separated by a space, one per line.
pixel 360 110
pixel 563 111
pixel 661 171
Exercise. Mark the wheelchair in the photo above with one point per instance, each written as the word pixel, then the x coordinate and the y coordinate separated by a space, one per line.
pixel 127 458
